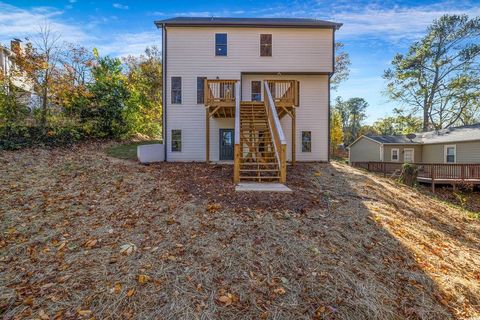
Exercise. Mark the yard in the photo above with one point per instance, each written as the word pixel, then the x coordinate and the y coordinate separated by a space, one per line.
pixel 87 235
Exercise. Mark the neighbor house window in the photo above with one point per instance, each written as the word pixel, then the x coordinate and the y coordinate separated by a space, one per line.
pixel 200 89
pixel 265 45
pixel 176 90
pixel 306 141
pixel 220 44
pixel 395 155
pixel 176 140
pixel 451 154
pixel 256 91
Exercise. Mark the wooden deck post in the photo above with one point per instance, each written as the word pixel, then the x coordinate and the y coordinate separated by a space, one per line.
pixel 433 178
pixel 294 137
pixel 207 134
pixel 236 163
pixel 384 170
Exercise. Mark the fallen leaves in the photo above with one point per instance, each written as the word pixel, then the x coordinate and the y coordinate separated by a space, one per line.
pixel 128 249
pixel 143 278
pixel 227 298
pixel 214 207
pixel 90 243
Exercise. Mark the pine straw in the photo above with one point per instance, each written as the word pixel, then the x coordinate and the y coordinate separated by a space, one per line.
pixel 354 246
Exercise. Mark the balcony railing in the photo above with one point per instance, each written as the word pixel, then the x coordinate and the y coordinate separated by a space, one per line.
pixel 220 93
pixel 284 92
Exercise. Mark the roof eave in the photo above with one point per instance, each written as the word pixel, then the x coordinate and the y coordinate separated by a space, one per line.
pixel 161 24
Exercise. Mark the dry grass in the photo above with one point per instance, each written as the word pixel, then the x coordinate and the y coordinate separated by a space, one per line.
pixel 359 246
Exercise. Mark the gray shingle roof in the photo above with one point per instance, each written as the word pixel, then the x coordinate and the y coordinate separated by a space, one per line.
pixel 453 134
pixel 263 22
pixel 394 139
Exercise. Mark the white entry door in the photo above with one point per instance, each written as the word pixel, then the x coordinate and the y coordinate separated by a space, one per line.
pixel 408 155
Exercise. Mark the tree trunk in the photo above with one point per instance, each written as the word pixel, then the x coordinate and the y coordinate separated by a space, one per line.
pixel 426 122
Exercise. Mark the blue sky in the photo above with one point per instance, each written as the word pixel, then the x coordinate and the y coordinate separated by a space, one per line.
pixel 373 31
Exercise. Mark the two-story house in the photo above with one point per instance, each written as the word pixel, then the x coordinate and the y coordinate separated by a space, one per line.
pixel 8 70
pixel 252 90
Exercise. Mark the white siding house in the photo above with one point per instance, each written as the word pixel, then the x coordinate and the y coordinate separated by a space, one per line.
pixel 301 50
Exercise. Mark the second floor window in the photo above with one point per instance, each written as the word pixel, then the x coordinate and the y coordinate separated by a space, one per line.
pixel 200 89
pixel 265 45
pixel 176 90
pixel 256 91
pixel 220 44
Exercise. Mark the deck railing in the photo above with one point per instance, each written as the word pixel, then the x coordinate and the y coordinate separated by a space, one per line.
pixel 284 92
pixel 220 92
pixel 279 141
pixel 428 172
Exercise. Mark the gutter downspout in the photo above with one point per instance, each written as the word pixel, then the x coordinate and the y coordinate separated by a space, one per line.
pixel 164 93
pixel 329 102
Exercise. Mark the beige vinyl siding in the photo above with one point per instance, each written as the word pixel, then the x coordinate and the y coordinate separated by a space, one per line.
pixel 191 54
pixel 312 114
pixel 466 152
pixel 387 156
pixel 365 150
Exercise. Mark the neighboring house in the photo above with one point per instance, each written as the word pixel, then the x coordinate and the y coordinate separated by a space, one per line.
pixel 8 69
pixel 252 90
pixel 452 145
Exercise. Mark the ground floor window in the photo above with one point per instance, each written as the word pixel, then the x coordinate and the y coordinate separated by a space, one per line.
pixel 176 140
pixel 306 141
pixel 450 154
pixel 394 155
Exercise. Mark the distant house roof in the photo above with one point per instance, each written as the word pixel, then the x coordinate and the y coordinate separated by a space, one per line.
pixel 449 135
pixel 256 22
pixel 453 134
pixel 393 139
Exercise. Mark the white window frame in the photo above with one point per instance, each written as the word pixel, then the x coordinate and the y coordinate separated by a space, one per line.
pixel 445 148
pixel 413 154
pixel 398 154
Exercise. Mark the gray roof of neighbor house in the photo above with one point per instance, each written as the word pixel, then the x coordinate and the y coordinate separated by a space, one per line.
pixel 258 22
pixel 394 139
pixel 453 134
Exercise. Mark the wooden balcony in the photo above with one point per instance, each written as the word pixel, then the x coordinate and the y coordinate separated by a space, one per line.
pixel 285 94
pixel 219 97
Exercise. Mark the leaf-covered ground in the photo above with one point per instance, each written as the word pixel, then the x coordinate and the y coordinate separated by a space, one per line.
pixel 84 235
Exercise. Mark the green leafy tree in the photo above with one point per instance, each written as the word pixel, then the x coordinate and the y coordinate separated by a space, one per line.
pixel 144 107
pixel 352 113
pixel 336 132
pixel 439 77
pixel 109 95
pixel 398 124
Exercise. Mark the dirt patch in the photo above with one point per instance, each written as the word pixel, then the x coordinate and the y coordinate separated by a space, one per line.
pixel 213 184
pixel 84 235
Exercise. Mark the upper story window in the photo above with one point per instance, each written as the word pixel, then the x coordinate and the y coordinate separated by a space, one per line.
pixel 256 91
pixel 200 89
pixel 220 44
pixel 176 90
pixel 265 45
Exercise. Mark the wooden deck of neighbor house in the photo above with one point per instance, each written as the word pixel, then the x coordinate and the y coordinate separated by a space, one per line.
pixel 433 173
pixel 260 144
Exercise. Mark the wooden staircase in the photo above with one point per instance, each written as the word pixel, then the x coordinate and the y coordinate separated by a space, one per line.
pixel 258 160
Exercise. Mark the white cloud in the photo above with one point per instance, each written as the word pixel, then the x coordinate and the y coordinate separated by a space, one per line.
pixel 120 6
pixel 130 43
pixel 396 23
pixel 21 23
